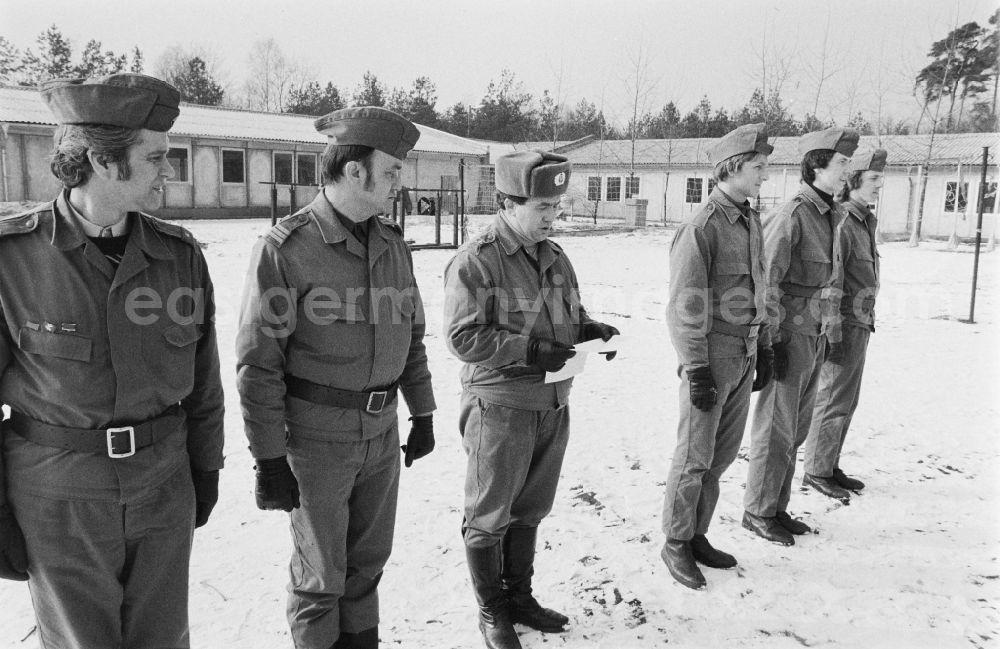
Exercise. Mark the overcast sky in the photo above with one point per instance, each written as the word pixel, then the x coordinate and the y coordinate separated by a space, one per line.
pixel 586 47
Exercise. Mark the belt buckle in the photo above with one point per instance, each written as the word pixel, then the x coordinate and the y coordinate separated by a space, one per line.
pixel 114 435
pixel 381 396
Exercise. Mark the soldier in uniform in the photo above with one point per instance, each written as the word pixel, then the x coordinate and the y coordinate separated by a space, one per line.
pixel 804 263
pixel 331 329
pixel 513 313
pixel 840 379
pixel 718 288
pixel 109 364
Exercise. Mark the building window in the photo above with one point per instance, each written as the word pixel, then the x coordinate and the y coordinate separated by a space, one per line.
pixel 954 196
pixel 233 166
pixel 711 185
pixel 989 198
pixel 305 164
pixel 178 157
pixel 594 188
pixel 283 168
pixel 614 190
pixel 693 191
pixel 631 186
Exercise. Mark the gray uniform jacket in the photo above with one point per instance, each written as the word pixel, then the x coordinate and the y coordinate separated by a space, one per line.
pixel 496 298
pixel 805 266
pixel 315 307
pixel 717 277
pixel 861 266
pixel 84 346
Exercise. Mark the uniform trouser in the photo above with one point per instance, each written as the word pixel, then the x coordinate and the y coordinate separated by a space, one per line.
pixel 780 425
pixel 514 460
pixel 707 444
pixel 836 400
pixel 106 575
pixel 342 534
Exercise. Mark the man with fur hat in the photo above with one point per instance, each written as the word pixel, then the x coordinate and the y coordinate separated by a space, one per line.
pixel 109 363
pixel 840 379
pixel 805 266
pixel 331 330
pixel 513 313
pixel 718 288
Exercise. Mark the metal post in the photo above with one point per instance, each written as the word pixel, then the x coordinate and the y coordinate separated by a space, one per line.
pixel 274 203
pixel 461 199
pixel 437 220
pixel 979 237
pixel 293 208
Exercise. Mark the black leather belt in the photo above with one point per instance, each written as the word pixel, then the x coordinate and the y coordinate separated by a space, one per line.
pixel 115 441
pixel 324 395
pixel 738 330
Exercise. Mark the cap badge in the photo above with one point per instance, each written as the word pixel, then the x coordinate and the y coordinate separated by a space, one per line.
pixel 560 179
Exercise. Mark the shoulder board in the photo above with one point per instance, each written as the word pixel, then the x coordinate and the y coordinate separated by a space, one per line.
pixel 24 222
pixel 279 233
pixel 390 224
pixel 170 229
pixel 486 238
pixel 700 218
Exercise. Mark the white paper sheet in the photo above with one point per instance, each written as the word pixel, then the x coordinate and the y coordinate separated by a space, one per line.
pixel 576 364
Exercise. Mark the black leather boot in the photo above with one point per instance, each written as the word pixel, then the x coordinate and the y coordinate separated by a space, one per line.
pixel 846 481
pixel 518 568
pixel 705 554
pixel 494 611
pixel 680 562
pixel 367 639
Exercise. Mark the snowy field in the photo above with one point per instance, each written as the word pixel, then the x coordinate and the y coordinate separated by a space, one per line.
pixel 912 563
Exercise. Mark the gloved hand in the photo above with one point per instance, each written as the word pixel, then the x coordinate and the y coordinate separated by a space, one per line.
pixel 595 330
pixel 703 392
pixel 277 487
pixel 206 494
pixel 549 355
pixel 764 369
pixel 13 554
pixel 835 353
pixel 780 360
pixel 420 441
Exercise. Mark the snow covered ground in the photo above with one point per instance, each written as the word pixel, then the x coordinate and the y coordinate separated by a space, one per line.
pixel 913 562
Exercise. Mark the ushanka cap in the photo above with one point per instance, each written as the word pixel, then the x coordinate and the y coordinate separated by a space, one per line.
pixel 370 126
pixel 532 174
pixel 126 100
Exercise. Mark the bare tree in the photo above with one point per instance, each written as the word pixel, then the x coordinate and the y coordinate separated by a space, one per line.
pixel 772 64
pixel 825 68
pixel 271 77
pixel 175 62
pixel 639 88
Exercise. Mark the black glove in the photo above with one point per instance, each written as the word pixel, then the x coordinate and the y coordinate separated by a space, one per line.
pixel 276 485
pixel 595 330
pixel 13 554
pixel 420 441
pixel 206 494
pixel 834 353
pixel 764 369
pixel 549 355
pixel 780 360
pixel 703 392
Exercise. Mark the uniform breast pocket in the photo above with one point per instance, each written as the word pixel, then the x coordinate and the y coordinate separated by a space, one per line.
pixel 863 257
pixel 816 267
pixel 175 356
pixel 519 314
pixel 70 347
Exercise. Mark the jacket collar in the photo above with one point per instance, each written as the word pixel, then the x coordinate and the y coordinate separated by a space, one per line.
pixel 728 205
pixel 859 210
pixel 333 231
pixel 67 233
pixel 807 191
pixel 511 243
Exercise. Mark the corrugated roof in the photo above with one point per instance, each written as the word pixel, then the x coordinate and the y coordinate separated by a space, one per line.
pixel 25 105
pixel 903 150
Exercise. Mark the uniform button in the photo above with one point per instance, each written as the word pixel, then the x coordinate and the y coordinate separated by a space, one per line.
pixel 30 223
